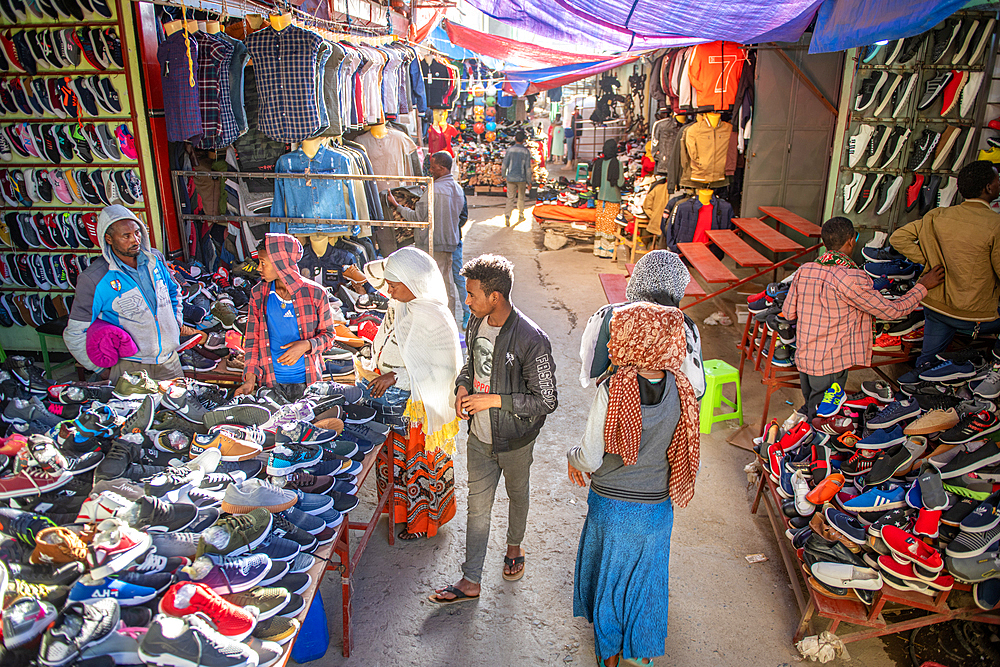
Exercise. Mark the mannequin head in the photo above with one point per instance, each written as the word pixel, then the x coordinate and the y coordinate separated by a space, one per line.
pixel 713 118
pixel 705 195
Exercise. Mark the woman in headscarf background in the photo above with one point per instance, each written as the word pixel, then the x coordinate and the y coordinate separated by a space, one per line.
pixel 641 450
pixel 607 178
pixel 659 277
pixel 416 355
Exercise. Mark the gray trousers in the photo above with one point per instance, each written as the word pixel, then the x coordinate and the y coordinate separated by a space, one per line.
pixel 485 467
pixel 515 192
pixel 814 386
pixel 169 370
pixel 443 260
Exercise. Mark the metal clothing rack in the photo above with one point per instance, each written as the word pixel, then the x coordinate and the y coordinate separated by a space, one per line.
pixel 240 175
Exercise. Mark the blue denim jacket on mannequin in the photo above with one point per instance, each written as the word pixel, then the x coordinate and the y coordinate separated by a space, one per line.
pixel 313 198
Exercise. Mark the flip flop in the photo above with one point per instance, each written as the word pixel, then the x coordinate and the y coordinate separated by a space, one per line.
pixel 511 563
pixel 457 592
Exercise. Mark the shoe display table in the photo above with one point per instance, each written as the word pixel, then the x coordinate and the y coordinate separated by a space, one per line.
pixel 757 347
pixel 852 611
pixel 341 546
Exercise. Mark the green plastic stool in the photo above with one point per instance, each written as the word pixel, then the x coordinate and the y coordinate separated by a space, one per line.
pixel 717 374
pixel 581 172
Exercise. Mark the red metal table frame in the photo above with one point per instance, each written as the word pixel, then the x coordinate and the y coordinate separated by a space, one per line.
pixel 854 611
pixel 340 546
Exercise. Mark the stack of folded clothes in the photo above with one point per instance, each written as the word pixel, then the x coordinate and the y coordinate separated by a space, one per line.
pixel 896 489
pixel 153 522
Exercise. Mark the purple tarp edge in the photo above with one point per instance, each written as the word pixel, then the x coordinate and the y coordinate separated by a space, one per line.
pixel 844 24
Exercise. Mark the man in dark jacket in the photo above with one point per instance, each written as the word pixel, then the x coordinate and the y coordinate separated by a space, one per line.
pixel 505 390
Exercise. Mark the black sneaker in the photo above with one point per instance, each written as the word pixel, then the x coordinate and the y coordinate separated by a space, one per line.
pixel 900 518
pixel 195 362
pixel 118 460
pixel 961 508
pixel 909 325
pixel 987 454
pixel 934 87
pixel 140 420
pixel 876 145
pixel 944 38
pixel 972 426
pixel 869 188
pixel 923 148
pixel 869 88
pixel 156 515
pixel 24 370
pixel 911 45
pixel 23 526
pixel 185 406
pixel 165 420
pixel 50 575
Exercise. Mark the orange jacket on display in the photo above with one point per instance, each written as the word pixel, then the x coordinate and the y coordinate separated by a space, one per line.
pixel 714 70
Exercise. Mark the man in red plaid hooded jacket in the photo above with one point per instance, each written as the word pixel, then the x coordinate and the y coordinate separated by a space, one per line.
pixel 290 323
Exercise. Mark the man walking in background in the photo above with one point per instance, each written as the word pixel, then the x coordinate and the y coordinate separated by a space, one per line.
pixel 517 172
pixel 449 202
pixel 505 390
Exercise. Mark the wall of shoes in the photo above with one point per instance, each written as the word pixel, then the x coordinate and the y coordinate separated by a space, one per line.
pixel 915 116
pixel 68 148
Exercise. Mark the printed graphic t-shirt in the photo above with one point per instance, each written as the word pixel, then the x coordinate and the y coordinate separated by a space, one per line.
pixel 283 328
pixel 482 369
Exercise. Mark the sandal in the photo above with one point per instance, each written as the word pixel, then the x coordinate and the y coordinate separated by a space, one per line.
pixel 457 592
pixel 406 535
pixel 510 564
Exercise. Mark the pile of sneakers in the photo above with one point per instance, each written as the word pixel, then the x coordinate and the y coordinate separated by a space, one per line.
pixel 896 489
pixel 146 521
pixel 765 307
pixel 24 188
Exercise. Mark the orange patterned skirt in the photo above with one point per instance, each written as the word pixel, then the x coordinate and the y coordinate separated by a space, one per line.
pixel 425 483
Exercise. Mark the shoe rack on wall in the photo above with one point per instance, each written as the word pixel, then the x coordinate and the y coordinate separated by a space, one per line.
pixel 123 76
pixel 962 50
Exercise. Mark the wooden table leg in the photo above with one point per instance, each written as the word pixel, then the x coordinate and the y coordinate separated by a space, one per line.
pixel 800 631
pixel 345 590
pixel 760 492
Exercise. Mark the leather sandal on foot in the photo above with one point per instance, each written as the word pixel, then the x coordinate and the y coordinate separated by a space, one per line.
pixel 457 592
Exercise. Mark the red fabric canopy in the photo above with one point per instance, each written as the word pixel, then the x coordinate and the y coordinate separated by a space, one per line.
pixel 511 50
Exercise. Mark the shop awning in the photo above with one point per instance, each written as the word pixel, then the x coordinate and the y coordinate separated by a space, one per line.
pixel 438 39
pixel 528 82
pixel 844 24
pixel 639 25
pixel 510 50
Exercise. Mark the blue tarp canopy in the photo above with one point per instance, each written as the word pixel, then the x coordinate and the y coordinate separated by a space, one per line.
pixel 640 25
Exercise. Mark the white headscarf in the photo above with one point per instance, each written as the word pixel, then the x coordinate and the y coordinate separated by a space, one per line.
pixel 428 340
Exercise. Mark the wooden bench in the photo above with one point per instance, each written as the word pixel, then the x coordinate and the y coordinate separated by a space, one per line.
pixel 705 263
pixel 614 286
pixel 737 248
pixel 768 237
pixel 793 220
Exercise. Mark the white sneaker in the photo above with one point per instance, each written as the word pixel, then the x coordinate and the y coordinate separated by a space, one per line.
pixel 792 420
pixel 801 487
pixel 965 150
pixel 947 194
pixel 858 144
pixel 967 98
pixel 910 85
pixel 851 192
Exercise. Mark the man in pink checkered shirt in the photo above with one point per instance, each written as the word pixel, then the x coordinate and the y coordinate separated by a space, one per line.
pixel 833 302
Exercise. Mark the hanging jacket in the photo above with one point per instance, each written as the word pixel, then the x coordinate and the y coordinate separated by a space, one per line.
pixel 714 71
pixel 707 147
pixel 685 220
pixel 665 132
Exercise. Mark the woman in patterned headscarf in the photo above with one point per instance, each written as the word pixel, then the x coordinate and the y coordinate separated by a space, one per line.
pixel 641 452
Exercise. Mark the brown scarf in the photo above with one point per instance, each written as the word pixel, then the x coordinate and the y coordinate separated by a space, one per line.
pixel 651 336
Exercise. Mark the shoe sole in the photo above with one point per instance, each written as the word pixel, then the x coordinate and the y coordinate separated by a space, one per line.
pixel 946 378
pixel 243 415
pixel 130 602
pixel 166 660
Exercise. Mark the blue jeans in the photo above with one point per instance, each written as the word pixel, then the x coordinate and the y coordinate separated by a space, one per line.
pixel 940 329
pixel 456 268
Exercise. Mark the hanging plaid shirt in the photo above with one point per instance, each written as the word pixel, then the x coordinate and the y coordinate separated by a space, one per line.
pixel 833 306
pixel 211 52
pixel 180 98
pixel 286 67
pixel 312 308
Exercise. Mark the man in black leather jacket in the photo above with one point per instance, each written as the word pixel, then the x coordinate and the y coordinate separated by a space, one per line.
pixel 505 390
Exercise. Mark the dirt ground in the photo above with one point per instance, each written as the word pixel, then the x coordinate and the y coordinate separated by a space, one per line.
pixel 723 611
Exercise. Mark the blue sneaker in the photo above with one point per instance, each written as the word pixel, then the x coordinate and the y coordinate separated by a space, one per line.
pixel 313 503
pixel 833 399
pixel 846 525
pixel 231 575
pixel 332 517
pixel 278 548
pixel 895 412
pixel 869 52
pixel 883 254
pixel 882 439
pixel 88 589
pixel 307 522
pixel 371 432
pixel 288 457
pixel 877 500
pixel 948 371
pixel 913 498
pixel 895 269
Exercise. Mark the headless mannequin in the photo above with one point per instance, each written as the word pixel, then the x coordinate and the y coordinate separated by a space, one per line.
pixel 255 20
pixel 212 27
pixel 379 131
pixel 680 118
pixel 705 196
pixel 202 26
pixel 281 21
pixel 712 118
pixel 311 146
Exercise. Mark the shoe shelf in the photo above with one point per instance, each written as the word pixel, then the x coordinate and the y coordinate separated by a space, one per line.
pixel 93 208
pixel 904 69
pixel 103 23
pixel 910 122
pixel 126 163
pixel 55 120
pixel 871 619
pixel 18 288
pixel 87 71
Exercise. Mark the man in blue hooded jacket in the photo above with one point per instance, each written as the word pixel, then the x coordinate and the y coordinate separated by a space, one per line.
pixel 129 287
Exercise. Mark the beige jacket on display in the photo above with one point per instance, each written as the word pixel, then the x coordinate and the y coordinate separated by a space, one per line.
pixel 966 240
pixel 707 147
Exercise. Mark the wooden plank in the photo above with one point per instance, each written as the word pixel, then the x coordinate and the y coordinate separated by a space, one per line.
pixel 614 286
pixel 768 237
pixel 793 220
pixel 694 289
pixel 629 268
pixel 705 263
pixel 737 248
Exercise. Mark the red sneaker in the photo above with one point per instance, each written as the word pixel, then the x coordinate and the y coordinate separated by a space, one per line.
pixel 860 401
pixel 836 424
pixel 906 548
pixel 795 436
pixel 913 191
pixel 31 482
pixel 927 523
pixel 994 124
pixel 949 97
pixel 185 598
pixel 115 547
pixel 887 343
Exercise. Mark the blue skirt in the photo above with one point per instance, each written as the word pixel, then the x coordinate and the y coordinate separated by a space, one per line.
pixel 622 582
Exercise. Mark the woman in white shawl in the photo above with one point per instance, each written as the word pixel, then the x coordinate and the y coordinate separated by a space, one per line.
pixel 416 350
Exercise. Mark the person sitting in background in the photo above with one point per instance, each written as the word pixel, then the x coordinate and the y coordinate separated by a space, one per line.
pixel 290 323
pixel 833 303
pixel 416 351
pixel 641 452
pixel 965 240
